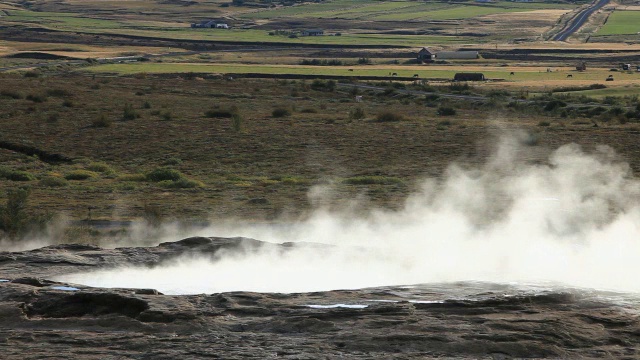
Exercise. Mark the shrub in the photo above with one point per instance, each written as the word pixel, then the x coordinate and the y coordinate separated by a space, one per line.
pixel 164 173
pixel 146 105
pixel 309 111
pixel 372 180
pixel 17 175
pixel 180 184
pixel 15 220
pixel 11 94
pixel 31 74
pixel 544 123
pixel 36 98
pixel 280 112
pixel 446 111
pixel 554 104
pixel 67 103
pixel 100 167
pixel 101 122
pixel 128 113
pixel 172 161
pixel 53 118
pixel 133 177
pixel 58 93
pixel 221 112
pixel 388 116
pixel 80 175
pixel 53 181
pixel 167 116
pixel 357 113
pixel 236 122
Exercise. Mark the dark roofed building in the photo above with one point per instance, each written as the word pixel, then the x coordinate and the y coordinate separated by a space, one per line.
pixel 469 77
pixel 312 32
pixel 425 55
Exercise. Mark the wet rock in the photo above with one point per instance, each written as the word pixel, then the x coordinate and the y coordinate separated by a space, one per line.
pixel 461 320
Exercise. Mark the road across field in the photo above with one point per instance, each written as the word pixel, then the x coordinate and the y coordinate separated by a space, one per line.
pixel 576 23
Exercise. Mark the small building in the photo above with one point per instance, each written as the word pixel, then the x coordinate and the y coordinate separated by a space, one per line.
pixel 425 55
pixel 313 32
pixel 457 55
pixel 210 24
pixel 469 77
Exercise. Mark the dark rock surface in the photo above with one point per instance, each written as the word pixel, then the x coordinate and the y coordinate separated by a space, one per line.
pixel 44 319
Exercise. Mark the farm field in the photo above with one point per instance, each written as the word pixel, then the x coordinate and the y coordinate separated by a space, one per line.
pixel 398 10
pixel 441 72
pixel 622 22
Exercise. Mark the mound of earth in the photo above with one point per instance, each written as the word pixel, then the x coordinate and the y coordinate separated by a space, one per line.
pixel 40 318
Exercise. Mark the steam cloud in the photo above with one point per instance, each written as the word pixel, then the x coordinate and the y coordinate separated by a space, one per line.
pixel 573 220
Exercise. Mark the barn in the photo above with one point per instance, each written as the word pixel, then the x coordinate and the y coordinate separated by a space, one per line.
pixel 425 55
pixel 313 32
pixel 469 77
pixel 457 55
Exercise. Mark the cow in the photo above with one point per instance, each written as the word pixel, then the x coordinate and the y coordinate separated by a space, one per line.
pixel 394 74
pixel 569 76
pixel 512 73
pixel 350 69
pixel 416 75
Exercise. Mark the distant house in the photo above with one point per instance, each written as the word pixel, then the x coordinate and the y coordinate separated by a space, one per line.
pixel 469 77
pixel 457 55
pixel 425 55
pixel 210 24
pixel 313 32
pixel 484 1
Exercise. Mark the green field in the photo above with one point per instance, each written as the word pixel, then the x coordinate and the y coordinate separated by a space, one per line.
pixel 424 72
pixel 622 23
pixel 73 23
pixel 398 10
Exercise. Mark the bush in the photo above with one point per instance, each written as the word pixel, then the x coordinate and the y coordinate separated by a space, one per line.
pixel 58 93
pixel 128 113
pixel 180 184
pixel 544 123
pixel 80 175
pixel 357 114
pixel 36 98
pixel 280 112
pixel 53 118
pixel 133 177
pixel 388 116
pixel 554 104
pixel 15 175
pixel 100 167
pixel 53 181
pixel 164 173
pixel 236 122
pixel 372 180
pixel 222 112
pixel 14 218
pixel 146 105
pixel 101 122
pixel 31 74
pixel 67 103
pixel 11 94
pixel 446 111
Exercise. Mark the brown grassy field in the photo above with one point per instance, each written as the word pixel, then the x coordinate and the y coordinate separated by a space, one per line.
pixel 261 166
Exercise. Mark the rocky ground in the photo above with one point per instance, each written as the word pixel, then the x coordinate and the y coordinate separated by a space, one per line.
pixel 42 319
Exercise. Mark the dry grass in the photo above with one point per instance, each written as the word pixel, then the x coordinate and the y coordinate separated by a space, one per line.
pixel 233 167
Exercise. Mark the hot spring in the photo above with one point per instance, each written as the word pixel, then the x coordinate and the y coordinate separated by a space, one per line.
pixel 572 221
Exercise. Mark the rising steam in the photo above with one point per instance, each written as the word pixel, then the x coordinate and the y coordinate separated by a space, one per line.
pixel 573 220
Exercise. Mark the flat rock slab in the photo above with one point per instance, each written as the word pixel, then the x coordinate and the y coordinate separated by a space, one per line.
pixel 42 319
